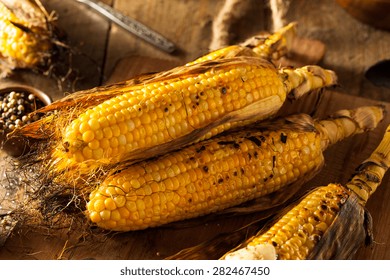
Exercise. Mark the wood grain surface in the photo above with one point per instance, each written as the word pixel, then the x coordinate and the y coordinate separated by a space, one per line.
pixel 104 53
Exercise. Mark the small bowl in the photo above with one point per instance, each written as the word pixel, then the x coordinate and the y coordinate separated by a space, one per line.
pixel 16 146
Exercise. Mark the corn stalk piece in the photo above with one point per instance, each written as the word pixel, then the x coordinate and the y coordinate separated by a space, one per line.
pixel 222 172
pixel 330 222
pixel 26 34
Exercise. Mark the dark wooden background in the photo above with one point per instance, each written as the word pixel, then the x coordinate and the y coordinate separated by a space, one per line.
pixel 105 53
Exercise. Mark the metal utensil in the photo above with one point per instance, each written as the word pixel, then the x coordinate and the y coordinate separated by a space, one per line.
pixel 131 25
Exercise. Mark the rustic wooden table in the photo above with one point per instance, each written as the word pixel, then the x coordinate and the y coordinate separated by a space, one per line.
pixel 104 53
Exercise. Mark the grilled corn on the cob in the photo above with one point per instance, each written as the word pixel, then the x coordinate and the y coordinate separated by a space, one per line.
pixel 301 232
pixel 176 108
pixel 224 171
pixel 25 34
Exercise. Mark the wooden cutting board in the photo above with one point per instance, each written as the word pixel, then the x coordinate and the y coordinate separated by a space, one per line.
pixel 159 243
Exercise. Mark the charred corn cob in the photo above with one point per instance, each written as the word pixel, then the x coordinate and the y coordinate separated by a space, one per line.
pixel 25 34
pixel 224 171
pixel 302 232
pixel 271 47
pixel 179 107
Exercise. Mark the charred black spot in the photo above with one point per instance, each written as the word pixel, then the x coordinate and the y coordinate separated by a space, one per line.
pixel 316 238
pixel 197 103
pixel 334 209
pixel 66 146
pixel 201 149
pixel 20 26
pixel 201 93
pixel 255 140
pixel 192 158
pixel 165 109
pixel 256 154
pixel 372 178
pixel 262 138
pixel 223 90
pixel 226 143
pixel 271 176
pixel 283 138
pixel 265 179
pixel 236 146
pixel 324 207
pixel 190 200
pixel 197 97
pixel 220 181
pixel 242 170
pixel 316 218
pixel 235 173
pixel 274 244
pixel 205 169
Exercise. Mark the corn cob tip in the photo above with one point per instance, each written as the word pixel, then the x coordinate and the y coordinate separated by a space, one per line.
pixel 263 251
pixel 368 176
pixel 272 46
pixel 302 80
pixel 345 123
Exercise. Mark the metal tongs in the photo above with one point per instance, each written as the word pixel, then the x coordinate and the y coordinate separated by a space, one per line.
pixel 131 25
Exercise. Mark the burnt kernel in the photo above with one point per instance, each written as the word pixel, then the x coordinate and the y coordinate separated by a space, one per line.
pixel 274 244
pixel 66 146
pixel 334 209
pixel 235 173
pixel 190 200
pixel 324 207
pixel 220 181
pixel 223 90
pixel 201 149
pixel 166 109
pixel 205 169
pixel 255 140
pixel 226 143
pixel 283 138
